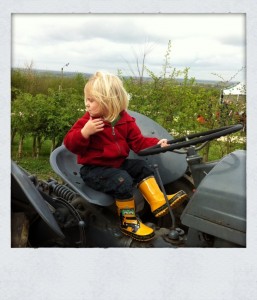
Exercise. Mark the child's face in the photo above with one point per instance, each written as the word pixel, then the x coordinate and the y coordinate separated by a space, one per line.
pixel 93 107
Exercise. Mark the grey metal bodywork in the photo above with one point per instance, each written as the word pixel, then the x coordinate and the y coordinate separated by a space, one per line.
pixel 23 188
pixel 218 205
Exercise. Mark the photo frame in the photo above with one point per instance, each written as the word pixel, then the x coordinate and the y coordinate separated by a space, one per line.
pixel 127 273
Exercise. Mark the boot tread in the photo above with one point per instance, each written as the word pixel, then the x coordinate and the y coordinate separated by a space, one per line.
pixel 174 202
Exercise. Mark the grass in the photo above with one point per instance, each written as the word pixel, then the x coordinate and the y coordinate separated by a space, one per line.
pixel 36 166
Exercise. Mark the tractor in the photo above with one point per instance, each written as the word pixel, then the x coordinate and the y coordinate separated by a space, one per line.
pixel 68 213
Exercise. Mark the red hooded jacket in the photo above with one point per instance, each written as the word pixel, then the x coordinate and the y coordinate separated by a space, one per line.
pixel 109 147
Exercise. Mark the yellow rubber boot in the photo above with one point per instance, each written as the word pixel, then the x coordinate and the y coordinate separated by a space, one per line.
pixel 129 223
pixel 154 196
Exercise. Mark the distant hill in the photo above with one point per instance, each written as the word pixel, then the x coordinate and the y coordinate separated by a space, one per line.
pixel 55 73
pixel 72 74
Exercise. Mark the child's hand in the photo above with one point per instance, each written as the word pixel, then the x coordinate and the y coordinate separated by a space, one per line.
pixel 163 143
pixel 91 127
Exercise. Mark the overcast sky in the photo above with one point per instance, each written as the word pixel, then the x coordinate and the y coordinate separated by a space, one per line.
pixel 205 43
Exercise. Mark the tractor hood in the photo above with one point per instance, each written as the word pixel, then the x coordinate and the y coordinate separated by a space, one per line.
pixel 218 206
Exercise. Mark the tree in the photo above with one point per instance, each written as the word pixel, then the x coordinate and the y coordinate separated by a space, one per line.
pixel 20 121
pixel 65 107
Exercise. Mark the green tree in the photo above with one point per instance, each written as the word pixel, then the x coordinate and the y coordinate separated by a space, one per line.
pixel 65 107
pixel 20 121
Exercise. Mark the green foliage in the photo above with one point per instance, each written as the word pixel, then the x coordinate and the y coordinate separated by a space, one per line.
pixel 46 116
pixel 44 106
pixel 65 107
pixel 32 82
pixel 173 104
pixel 178 104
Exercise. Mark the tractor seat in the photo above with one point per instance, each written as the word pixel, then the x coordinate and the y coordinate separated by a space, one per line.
pixel 64 163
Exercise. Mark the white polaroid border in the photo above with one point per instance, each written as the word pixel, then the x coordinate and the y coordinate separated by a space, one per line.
pixel 127 273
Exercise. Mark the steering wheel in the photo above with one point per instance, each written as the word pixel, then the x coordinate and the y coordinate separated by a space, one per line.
pixel 192 139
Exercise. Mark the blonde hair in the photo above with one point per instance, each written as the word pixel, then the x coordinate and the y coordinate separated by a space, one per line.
pixel 108 90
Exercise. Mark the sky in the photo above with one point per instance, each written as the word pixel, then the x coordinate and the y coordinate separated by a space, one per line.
pixel 212 46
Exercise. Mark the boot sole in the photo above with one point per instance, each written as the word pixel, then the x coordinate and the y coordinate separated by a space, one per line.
pixel 137 237
pixel 174 202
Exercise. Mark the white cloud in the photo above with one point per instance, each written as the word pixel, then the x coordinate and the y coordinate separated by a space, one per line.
pixel 202 42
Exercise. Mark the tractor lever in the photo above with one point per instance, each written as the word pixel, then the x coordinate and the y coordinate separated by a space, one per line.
pixel 174 234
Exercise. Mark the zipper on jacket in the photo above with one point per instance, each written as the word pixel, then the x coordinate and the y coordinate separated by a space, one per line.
pixel 115 139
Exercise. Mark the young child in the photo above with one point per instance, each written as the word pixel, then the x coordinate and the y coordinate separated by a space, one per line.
pixel 102 139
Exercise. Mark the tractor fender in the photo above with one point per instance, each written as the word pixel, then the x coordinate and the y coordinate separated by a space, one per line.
pixel 218 206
